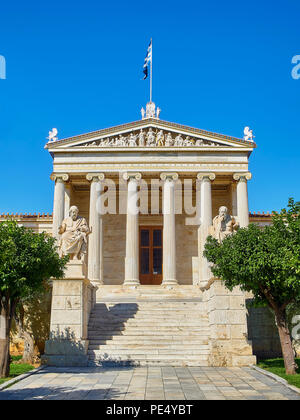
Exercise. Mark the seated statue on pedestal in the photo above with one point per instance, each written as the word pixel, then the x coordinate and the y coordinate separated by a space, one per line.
pixel 74 231
pixel 223 224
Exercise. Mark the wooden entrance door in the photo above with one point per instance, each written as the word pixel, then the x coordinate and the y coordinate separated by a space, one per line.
pixel 151 256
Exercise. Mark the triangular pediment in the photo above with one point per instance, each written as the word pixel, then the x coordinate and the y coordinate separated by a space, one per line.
pixel 149 133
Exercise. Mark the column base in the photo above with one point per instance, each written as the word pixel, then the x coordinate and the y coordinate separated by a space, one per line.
pixel 132 282
pixel 172 282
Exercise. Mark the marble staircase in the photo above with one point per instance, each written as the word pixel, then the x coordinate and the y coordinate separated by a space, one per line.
pixel 149 325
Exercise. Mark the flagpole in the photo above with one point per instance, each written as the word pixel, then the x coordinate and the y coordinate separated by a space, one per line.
pixel 151 72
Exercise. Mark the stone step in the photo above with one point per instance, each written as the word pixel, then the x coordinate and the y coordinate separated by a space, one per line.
pixel 140 351
pixel 129 306
pixel 140 355
pixel 149 312
pixel 140 329
pixel 128 340
pixel 148 318
pixel 180 338
pixel 133 333
pixel 149 362
pixel 154 325
pixel 161 348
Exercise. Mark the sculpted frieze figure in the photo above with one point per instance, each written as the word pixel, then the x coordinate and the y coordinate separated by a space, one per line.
pixel 169 140
pixel 223 224
pixel 150 138
pixel 178 140
pixel 74 232
pixel 132 140
pixel 141 138
pixel 160 138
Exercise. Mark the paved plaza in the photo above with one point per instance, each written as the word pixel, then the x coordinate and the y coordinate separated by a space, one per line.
pixel 148 383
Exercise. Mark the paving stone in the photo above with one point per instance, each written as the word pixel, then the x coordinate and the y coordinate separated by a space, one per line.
pixel 149 383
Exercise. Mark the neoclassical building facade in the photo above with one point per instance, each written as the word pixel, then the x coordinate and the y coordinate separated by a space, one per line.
pixel 149 191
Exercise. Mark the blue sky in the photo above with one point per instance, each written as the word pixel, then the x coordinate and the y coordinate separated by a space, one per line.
pixel 217 65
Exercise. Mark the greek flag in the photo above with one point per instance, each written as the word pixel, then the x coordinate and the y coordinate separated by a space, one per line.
pixel 148 59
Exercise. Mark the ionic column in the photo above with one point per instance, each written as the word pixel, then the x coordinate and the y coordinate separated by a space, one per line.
pixel 132 230
pixel 59 201
pixel 95 249
pixel 205 223
pixel 67 199
pixel 242 197
pixel 169 241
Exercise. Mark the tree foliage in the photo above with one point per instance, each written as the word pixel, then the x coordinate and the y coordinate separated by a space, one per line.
pixel 27 259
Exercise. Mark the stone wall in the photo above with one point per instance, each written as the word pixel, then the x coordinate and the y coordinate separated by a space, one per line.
pixel 263 333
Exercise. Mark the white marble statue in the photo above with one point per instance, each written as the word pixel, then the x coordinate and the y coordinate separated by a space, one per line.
pixel 187 141
pixel 159 138
pixel 178 140
pixel 150 110
pixel 53 135
pixel 143 113
pixel 141 138
pixel 158 111
pixel 223 224
pixel 169 140
pixel 150 138
pixel 248 134
pixel 74 231
pixel 132 140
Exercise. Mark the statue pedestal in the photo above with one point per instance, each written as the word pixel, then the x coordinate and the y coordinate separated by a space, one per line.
pixel 228 325
pixel 76 269
pixel 73 297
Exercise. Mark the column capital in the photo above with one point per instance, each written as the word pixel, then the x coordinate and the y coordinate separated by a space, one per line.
pixel 132 175
pixel 242 176
pixel 209 176
pixel 172 176
pixel 58 176
pixel 95 176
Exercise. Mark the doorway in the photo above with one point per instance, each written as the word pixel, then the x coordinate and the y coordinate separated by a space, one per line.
pixel 151 254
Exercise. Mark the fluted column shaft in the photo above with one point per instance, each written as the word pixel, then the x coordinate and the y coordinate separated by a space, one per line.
pixel 59 201
pixel 169 235
pixel 242 198
pixel 205 223
pixel 132 231
pixel 95 248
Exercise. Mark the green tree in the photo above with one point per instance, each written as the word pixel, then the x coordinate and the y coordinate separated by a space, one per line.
pixel 266 262
pixel 27 261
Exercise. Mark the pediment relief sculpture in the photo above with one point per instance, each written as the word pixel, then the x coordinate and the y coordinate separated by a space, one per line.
pixel 74 231
pixel 223 224
pixel 151 137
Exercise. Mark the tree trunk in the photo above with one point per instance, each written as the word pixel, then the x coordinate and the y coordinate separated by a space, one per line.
pixel 286 342
pixel 5 325
pixel 28 353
